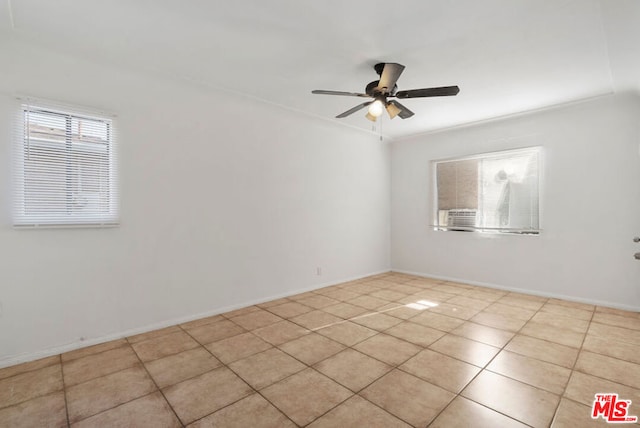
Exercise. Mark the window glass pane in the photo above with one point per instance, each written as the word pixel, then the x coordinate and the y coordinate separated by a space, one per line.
pixel 65 173
pixel 89 130
pixel 491 192
pixel 45 126
pixel 458 184
pixel 45 179
pixel 509 191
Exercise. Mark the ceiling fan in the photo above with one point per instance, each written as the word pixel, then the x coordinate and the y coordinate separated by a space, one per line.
pixel 381 90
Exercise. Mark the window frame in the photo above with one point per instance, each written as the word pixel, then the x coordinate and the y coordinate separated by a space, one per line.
pixel 21 218
pixel 435 215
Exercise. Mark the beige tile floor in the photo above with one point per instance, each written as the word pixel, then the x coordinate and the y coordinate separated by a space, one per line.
pixel 391 350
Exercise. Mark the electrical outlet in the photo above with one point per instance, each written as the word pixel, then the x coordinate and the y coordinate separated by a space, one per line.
pixel 318 271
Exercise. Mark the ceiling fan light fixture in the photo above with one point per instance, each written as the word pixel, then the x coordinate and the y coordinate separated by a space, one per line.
pixel 371 117
pixel 376 108
pixel 393 110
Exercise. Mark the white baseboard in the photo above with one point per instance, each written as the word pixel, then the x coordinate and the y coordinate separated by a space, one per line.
pixel 31 356
pixel 524 291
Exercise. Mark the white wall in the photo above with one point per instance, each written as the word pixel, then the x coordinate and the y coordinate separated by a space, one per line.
pixel 225 201
pixel 590 205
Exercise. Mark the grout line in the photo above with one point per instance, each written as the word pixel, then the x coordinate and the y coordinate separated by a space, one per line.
pixel 277 408
pixel 37 395
pixel 64 391
pixel 227 366
pixel 393 367
pixel 158 389
pixel 484 368
pixel 307 366
pixel 114 372
pixel 116 406
pixel 459 395
pixel 103 375
pixel 333 407
pixel 258 391
pixel 153 337
pixel 386 411
pixel 29 371
pixel 573 368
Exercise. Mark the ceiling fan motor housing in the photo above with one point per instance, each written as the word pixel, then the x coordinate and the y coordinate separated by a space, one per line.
pixel 371 89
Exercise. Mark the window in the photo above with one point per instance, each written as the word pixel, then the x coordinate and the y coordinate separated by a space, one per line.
pixel 491 192
pixel 64 169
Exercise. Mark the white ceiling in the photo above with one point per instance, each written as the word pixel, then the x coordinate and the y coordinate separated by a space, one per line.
pixel 507 56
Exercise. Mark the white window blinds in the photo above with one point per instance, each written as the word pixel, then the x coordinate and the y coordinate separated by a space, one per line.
pixel 65 170
pixel 490 192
